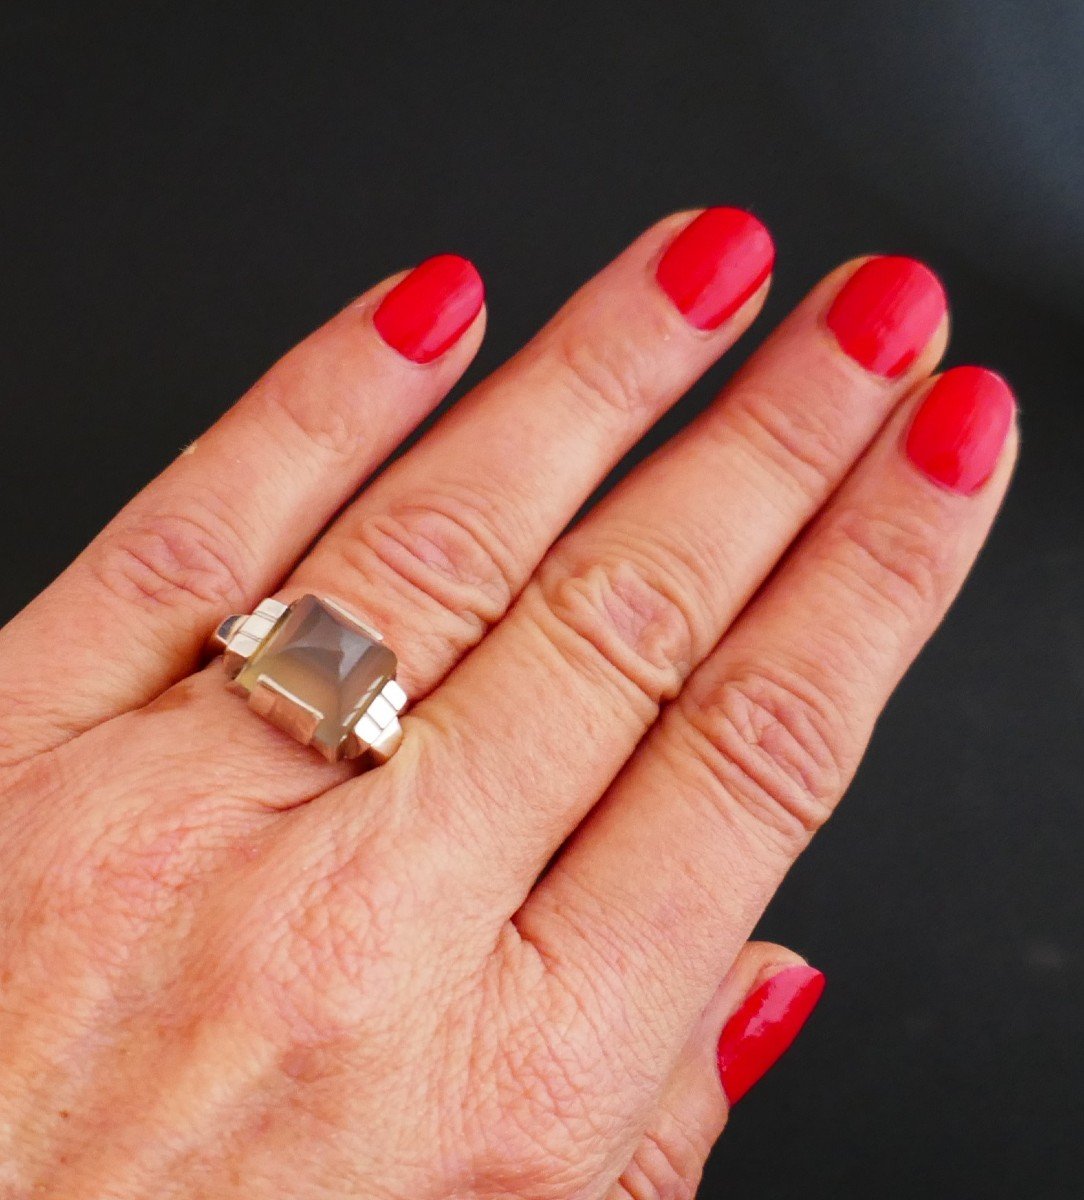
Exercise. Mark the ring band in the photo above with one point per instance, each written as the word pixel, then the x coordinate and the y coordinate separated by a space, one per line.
pixel 317 672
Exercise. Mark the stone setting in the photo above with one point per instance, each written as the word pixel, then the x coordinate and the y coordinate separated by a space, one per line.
pixel 318 673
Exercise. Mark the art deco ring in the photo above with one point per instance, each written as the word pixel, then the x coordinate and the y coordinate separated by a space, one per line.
pixel 318 673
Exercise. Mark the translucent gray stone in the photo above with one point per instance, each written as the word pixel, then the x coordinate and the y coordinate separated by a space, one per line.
pixel 315 673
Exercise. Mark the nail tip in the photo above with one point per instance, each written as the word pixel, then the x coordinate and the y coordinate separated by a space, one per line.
pixel 802 981
pixel 959 430
pixel 428 310
pixel 715 265
pixel 982 377
pixel 887 312
pixel 765 1026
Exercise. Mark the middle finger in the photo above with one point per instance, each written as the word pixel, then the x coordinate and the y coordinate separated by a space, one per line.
pixel 631 600
pixel 434 552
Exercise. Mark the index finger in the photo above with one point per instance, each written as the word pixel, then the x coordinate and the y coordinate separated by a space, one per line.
pixel 224 522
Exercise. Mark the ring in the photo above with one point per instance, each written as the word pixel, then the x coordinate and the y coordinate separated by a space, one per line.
pixel 318 673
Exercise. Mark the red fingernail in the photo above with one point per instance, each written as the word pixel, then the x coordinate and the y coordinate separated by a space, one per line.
pixel 430 309
pixel 715 264
pixel 886 313
pixel 765 1025
pixel 958 433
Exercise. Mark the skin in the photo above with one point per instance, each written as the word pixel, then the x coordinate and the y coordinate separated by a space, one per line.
pixel 230 969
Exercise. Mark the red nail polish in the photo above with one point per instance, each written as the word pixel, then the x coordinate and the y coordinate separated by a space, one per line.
pixel 765 1025
pixel 957 434
pixel 430 309
pixel 715 264
pixel 886 313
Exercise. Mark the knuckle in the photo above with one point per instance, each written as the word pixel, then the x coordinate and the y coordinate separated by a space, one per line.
pixel 121 884
pixel 144 870
pixel 174 560
pixel 445 549
pixel 614 373
pixel 327 417
pixel 774 744
pixel 334 960
pixel 626 617
pixel 893 556
pixel 319 955
pixel 803 442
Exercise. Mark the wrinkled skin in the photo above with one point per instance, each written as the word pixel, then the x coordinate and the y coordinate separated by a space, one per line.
pixel 230 969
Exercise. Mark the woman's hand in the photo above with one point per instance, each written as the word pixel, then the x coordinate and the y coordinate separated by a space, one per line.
pixel 499 964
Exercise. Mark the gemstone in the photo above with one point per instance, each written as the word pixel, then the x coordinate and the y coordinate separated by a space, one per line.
pixel 316 673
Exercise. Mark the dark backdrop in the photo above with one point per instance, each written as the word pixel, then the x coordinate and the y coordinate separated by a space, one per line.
pixel 190 188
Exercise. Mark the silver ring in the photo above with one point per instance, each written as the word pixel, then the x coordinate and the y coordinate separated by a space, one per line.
pixel 317 672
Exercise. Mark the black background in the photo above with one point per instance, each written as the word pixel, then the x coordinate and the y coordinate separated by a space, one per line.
pixel 190 188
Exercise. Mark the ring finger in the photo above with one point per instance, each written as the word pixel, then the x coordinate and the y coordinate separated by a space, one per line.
pixel 632 599
pixel 232 514
pixel 435 551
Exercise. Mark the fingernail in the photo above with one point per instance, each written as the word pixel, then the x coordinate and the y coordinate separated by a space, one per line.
pixel 429 310
pixel 761 1030
pixel 886 313
pixel 959 431
pixel 715 264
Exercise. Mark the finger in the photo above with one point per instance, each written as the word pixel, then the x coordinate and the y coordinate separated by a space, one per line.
pixel 632 599
pixel 760 746
pixel 221 526
pixel 749 1024
pixel 436 550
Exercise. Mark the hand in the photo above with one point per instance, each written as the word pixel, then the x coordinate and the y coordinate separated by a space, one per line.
pixel 499 964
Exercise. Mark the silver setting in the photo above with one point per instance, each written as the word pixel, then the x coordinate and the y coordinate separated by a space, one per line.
pixel 240 636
